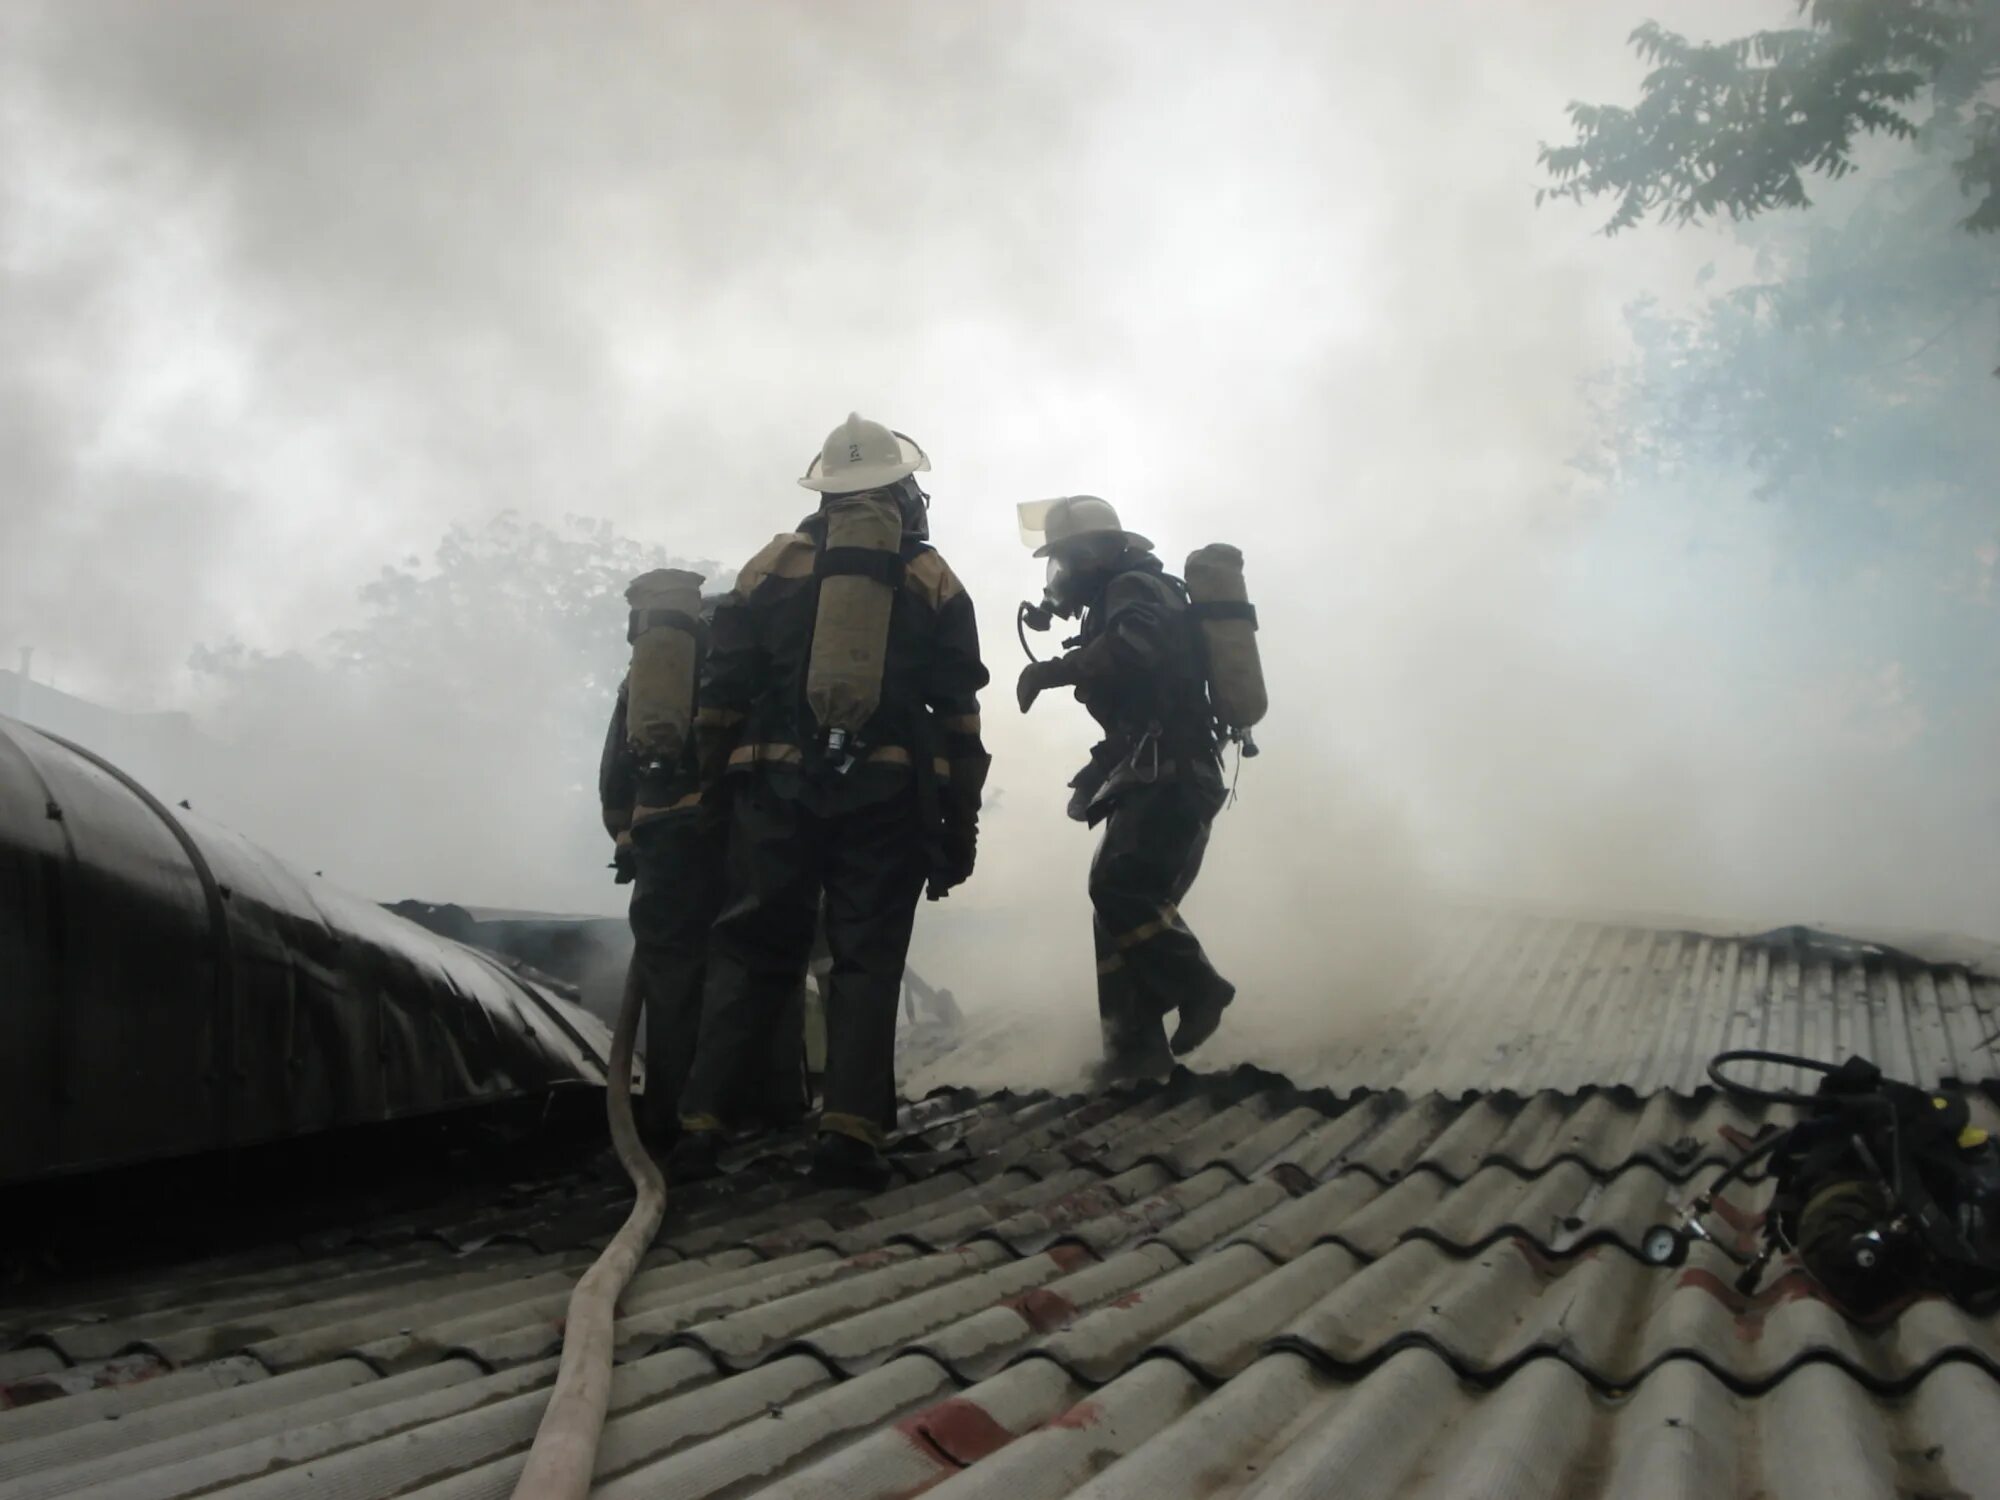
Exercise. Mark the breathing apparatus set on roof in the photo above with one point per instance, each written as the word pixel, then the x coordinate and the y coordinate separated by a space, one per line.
pixel 865 471
pixel 1882 1190
pixel 1081 537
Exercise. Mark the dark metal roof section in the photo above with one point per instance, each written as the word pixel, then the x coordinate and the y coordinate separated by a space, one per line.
pixel 166 988
pixel 1219 1287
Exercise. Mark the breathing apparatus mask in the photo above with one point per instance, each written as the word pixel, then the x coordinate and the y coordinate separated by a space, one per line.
pixel 1080 537
pixel 916 507
pixel 1077 571
pixel 1076 574
pixel 913 502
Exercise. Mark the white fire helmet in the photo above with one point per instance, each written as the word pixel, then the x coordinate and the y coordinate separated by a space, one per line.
pixel 863 455
pixel 1047 524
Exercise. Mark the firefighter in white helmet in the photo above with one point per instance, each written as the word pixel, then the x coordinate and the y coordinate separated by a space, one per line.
pixel 1154 781
pixel 840 699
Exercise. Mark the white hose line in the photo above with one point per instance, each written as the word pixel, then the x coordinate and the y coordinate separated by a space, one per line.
pixel 565 1451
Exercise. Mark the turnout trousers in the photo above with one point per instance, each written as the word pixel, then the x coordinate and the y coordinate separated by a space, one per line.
pixel 1148 962
pixel 675 893
pixel 870 862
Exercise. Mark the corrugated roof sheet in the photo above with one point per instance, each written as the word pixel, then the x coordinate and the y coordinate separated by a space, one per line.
pixel 1220 1287
pixel 1507 1000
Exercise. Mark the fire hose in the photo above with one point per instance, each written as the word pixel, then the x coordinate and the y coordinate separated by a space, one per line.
pixel 564 1455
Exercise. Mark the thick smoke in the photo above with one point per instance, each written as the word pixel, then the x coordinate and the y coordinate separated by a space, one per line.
pixel 285 291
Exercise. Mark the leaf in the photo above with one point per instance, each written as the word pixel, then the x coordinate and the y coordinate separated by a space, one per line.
pixel 1727 128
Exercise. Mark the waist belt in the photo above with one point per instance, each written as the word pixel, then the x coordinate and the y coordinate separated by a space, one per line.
pixel 791 755
pixel 642 812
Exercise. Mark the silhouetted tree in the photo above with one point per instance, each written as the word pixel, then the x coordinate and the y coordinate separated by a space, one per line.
pixel 1736 127
pixel 445 746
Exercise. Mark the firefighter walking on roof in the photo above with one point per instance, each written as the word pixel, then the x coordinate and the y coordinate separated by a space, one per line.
pixel 1166 678
pixel 840 702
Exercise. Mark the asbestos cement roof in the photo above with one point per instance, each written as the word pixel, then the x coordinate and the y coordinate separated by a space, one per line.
pixel 1527 1002
pixel 1218 1286
pixel 1514 1000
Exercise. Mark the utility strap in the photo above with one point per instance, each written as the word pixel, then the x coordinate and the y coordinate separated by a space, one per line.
pixel 1225 609
pixel 860 562
pixel 642 620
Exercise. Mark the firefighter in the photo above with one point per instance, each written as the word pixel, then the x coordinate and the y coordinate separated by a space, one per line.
pixel 1154 781
pixel 668 845
pixel 839 706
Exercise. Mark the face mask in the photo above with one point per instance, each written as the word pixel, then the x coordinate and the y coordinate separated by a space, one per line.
pixel 1074 573
pixel 916 507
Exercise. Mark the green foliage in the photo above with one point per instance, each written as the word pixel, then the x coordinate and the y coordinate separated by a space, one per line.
pixel 1843 383
pixel 446 745
pixel 514 580
pixel 1846 367
pixel 513 634
pixel 1736 127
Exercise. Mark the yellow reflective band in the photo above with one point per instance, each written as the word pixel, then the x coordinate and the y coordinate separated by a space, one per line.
pixel 1971 1138
pixel 719 718
pixel 1112 964
pixel 701 1124
pixel 750 755
pixel 792 755
pixel 960 724
pixel 854 1127
pixel 644 814
pixel 1162 923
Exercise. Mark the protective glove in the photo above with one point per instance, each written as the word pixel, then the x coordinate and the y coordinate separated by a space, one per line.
pixel 1087 783
pixel 1039 676
pixel 1079 803
pixel 625 861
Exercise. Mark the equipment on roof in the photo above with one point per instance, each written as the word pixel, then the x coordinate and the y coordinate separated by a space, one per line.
pixel 1883 1189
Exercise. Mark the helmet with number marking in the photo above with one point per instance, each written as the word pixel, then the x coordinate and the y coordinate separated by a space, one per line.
pixel 863 455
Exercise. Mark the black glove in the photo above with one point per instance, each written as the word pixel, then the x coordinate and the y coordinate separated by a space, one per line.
pixel 1079 803
pixel 1088 782
pixel 959 852
pixel 1039 676
pixel 624 860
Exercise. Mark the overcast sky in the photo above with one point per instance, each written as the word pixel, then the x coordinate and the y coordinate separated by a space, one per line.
pixel 284 289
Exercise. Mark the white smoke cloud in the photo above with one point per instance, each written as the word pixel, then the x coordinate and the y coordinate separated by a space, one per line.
pixel 284 291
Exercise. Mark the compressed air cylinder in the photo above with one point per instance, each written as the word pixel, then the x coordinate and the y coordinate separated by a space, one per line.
pixel 851 629
pixel 1229 633
pixel 660 688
